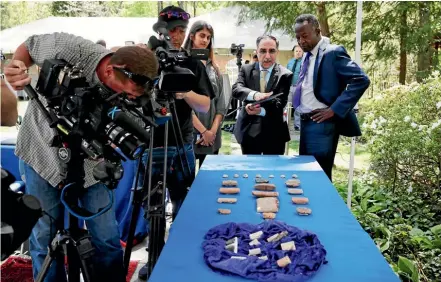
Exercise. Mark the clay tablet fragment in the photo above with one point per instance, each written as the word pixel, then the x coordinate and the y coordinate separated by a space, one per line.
pixel 295 191
pixel 229 190
pixel 245 175
pixel 265 187
pixel 283 261
pixel 261 180
pixel 294 176
pixel 292 183
pixel 269 215
pixel 261 194
pixel 229 183
pixel 271 176
pixel 300 201
pixel 236 175
pixel 227 200
pixel 282 176
pixel 258 176
pixel 225 175
pixel 288 246
pixel 224 211
pixel 304 211
pixel 269 204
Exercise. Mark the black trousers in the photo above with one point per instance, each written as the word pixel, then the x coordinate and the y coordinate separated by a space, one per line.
pixel 201 157
pixel 319 140
pixel 262 145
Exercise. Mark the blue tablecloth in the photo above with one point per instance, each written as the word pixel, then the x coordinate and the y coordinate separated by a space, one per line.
pixel 351 253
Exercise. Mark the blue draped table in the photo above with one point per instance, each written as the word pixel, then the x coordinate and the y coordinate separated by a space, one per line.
pixel 351 253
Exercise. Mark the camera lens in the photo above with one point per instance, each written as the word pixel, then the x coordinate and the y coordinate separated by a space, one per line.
pixel 129 144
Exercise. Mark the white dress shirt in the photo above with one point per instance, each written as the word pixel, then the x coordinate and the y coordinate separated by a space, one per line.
pixel 308 101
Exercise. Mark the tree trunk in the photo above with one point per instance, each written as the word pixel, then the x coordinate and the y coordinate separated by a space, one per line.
pixel 195 4
pixel 160 6
pixel 403 51
pixel 425 49
pixel 183 5
pixel 323 18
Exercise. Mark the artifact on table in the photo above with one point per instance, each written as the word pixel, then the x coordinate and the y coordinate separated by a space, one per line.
pixel 277 237
pixel 282 176
pixel 236 175
pixel 265 187
pixel 229 183
pixel 304 211
pixel 263 258
pixel 255 242
pixel 256 235
pixel 254 252
pixel 271 176
pixel 261 180
pixel 229 190
pixel 295 191
pixel 232 245
pixel 267 204
pixel 269 215
pixel 224 211
pixel 227 200
pixel 261 194
pixel 292 183
pixel 300 200
pixel 245 175
pixel 288 246
pixel 258 176
pixel 225 175
pixel 294 176
pixel 283 261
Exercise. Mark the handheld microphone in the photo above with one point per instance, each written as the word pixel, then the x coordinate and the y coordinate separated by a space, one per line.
pixel 123 120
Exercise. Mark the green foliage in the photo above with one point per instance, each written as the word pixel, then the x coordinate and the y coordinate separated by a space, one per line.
pixel 17 13
pixel 404 129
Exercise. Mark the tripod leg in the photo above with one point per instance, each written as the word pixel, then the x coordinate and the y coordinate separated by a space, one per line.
pixel 84 252
pixel 45 266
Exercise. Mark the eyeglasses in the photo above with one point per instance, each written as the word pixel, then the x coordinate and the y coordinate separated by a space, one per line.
pixel 264 51
pixel 137 78
pixel 175 14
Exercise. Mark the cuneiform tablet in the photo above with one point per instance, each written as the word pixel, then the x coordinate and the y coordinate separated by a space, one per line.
pixel 294 176
pixel 229 190
pixel 300 200
pixel 271 176
pixel 229 183
pixel 265 187
pixel 254 252
pixel 261 194
pixel 268 204
pixel 227 200
pixel 288 246
pixel 237 257
pixel 304 211
pixel 277 237
pixel 245 175
pixel 283 261
pixel 268 215
pixel 282 176
pixel 256 235
pixel 225 176
pixel 255 242
pixel 258 176
pixel 236 175
pixel 292 183
pixel 224 211
pixel 263 258
pixel 261 180
pixel 295 191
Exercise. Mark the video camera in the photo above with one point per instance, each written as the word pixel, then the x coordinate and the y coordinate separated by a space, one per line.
pixel 237 50
pixel 174 76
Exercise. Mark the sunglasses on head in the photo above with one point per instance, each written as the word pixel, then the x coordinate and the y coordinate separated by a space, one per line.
pixel 175 14
pixel 137 78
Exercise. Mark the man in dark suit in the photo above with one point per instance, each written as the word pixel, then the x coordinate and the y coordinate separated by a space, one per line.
pixel 260 129
pixel 329 86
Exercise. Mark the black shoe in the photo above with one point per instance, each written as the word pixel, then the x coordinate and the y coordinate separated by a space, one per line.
pixel 142 274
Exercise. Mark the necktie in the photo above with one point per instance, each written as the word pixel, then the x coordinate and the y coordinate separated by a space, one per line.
pixel 262 80
pixel 303 71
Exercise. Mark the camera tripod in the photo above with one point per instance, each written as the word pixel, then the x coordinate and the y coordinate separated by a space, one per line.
pixel 155 194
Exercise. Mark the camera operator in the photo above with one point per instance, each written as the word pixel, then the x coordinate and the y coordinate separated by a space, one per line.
pixel 126 70
pixel 175 20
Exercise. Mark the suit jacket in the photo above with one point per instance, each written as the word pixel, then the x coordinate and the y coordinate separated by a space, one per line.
pixel 339 83
pixel 272 124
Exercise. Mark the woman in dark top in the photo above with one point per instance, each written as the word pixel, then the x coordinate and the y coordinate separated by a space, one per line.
pixel 207 126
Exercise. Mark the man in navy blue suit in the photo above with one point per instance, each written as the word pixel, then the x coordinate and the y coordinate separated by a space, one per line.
pixel 329 86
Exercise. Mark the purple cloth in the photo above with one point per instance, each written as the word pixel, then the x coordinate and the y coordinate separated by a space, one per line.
pixel 305 260
pixel 298 91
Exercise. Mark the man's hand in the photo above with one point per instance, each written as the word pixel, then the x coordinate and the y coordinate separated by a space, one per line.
pixel 261 96
pixel 321 115
pixel 208 137
pixel 180 96
pixel 253 110
pixel 15 73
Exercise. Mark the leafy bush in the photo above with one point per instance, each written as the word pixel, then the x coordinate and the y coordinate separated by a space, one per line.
pixel 403 126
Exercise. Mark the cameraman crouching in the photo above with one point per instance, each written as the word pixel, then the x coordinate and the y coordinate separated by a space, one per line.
pixel 176 21
pixel 42 170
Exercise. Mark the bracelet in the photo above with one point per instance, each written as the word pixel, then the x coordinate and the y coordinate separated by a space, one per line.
pixel 254 95
pixel 204 131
